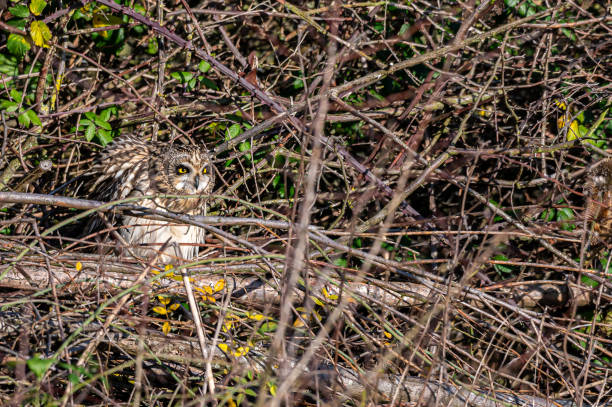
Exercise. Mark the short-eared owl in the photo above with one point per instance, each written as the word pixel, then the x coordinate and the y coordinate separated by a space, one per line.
pixel 130 167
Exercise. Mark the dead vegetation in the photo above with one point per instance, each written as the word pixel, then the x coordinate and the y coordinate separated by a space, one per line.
pixel 412 205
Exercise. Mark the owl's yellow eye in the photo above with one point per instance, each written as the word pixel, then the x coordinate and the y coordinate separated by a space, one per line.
pixel 204 171
pixel 181 169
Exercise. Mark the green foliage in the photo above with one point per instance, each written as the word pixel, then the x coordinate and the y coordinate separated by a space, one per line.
pixel 37 6
pixel 39 365
pixel 20 11
pixel 152 47
pixel 17 45
pixel 203 66
pixel 15 107
pixel 523 8
pixel 97 125
pixel 562 215
pixel 502 268
pixel 191 82
pixel 9 64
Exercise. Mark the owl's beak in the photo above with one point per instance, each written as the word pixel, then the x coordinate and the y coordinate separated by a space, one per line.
pixel 197 182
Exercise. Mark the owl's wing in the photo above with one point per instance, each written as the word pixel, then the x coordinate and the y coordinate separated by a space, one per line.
pixel 122 171
pixel 122 168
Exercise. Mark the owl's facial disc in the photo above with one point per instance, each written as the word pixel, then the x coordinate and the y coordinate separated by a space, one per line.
pixel 191 179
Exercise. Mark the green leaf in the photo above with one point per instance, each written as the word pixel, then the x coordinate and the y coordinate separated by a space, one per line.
pixel 24 119
pixel 90 115
pixel 341 262
pixel 90 132
pixel 182 77
pixel 74 378
pixel 210 84
pixel 8 64
pixel 268 326
pixel 152 46
pixel 37 6
pixel 244 146
pixel 40 33
pixel 548 215
pixel 105 115
pixel 17 45
pixel 101 123
pixel 39 366
pixel 192 83
pixel 564 214
pixel 104 137
pixel 233 131
pixel 298 84
pixel 33 117
pixel 204 66
pixel 15 95
pixel 276 180
pixel 500 267
pixel 405 27
pixel 376 95
pixel 20 10
pixel 18 23
pixel 8 105
pixel 589 281
pixel 85 123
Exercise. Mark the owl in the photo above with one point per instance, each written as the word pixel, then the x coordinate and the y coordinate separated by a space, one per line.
pixel 130 167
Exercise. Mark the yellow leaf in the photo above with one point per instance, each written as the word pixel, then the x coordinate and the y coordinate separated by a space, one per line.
pixel 160 310
pixel 573 132
pixel 40 33
pixel 210 299
pixel 174 307
pixel 272 389
pixel 163 299
pixel 327 295
pixel 256 317
pixel 560 104
pixel 78 266
pixel 387 334
pixel 317 301
pixel 208 290
pixel 166 328
pixel 219 285
pixel 223 347
pixel 104 20
pixel 242 350
pixel 37 6
pixel 168 267
pixel 299 323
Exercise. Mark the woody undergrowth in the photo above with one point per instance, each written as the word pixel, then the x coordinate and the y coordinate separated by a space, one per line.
pixel 456 186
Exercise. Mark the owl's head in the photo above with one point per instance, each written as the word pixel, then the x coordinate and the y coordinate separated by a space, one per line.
pixel 186 170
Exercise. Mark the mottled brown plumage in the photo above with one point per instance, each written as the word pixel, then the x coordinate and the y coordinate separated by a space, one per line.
pixel 131 167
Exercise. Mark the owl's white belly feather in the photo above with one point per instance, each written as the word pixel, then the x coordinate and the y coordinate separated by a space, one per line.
pixel 152 234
